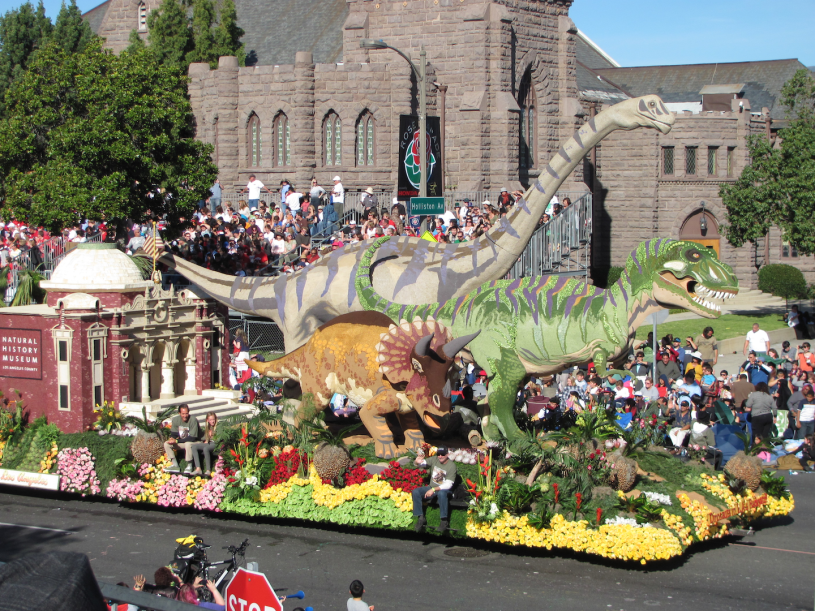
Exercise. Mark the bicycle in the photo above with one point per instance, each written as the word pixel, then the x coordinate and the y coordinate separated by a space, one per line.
pixel 230 567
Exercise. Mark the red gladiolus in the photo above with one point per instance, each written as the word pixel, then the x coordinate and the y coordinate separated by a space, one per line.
pixel 599 514
pixel 579 498
pixel 557 492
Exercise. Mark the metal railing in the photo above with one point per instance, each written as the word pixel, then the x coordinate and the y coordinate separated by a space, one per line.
pixel 352 200
pixel 561 246
pixel 263 334
pixel 53 251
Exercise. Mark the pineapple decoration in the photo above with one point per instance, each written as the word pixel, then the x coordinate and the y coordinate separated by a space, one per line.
pixel 148 444
pixel 623 475
pixel 146 448
pixel 331 461
pixel 745 468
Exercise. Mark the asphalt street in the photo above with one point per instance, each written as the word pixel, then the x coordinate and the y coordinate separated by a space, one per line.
pixel 775 569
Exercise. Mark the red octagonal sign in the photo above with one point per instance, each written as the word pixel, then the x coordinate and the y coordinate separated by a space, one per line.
pixel 250 591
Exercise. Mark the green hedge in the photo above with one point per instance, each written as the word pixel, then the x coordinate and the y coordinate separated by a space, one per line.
pixel 783 281
pixel 106 450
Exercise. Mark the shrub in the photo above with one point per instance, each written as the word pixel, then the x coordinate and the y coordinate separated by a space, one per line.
pixel 783 281
pixel 106 449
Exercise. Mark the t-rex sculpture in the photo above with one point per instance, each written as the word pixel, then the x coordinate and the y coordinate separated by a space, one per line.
pixel 382 367
pixel 410 269
pixel 540 325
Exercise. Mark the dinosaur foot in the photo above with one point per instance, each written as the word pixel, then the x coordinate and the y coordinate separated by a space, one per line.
pixel 414 440
pixel 385 449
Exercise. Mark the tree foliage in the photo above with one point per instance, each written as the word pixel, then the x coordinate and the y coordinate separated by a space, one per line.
pixel 178 40
pixel 778 187
pixel 88 134
pixel 71 32
pixel 22 32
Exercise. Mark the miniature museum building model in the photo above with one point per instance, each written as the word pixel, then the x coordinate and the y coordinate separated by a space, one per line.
pixel 106 334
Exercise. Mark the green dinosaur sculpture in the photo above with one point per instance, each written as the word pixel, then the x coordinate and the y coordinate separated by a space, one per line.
pixel 541 325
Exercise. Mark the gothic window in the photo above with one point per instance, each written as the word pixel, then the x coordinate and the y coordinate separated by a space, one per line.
pixel 528 141
pixel 712 152
pixel 254 141
pixel 142 17
pixel 668 160
pixel 690 160
pixel 332 139
pixel 365 139
pixel 281 142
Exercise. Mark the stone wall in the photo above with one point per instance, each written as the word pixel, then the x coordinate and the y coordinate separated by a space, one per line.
pixel 479 51
pixel 121 18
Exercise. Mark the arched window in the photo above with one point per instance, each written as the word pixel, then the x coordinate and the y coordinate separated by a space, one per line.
pixel 142 17
pixel 332 139
pixel 365 139
pixel 281 140
pixel 255 143
pixel 526 100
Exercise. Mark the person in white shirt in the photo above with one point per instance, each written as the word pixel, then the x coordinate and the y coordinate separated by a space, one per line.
pixel 254 187
pixel 293 200
pixel 338 192
pixel 757 341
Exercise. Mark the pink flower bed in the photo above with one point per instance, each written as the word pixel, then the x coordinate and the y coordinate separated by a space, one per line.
pixel 212 493
pixel 75 466
pixel 174 492
pixel 124 489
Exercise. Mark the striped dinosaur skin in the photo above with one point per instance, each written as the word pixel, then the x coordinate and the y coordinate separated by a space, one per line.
pixel 413 270
pixel 541 325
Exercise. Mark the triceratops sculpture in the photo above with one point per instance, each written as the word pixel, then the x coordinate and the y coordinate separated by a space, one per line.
pixel 382 367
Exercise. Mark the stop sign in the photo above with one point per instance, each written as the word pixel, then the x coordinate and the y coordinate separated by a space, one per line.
pixel 250 591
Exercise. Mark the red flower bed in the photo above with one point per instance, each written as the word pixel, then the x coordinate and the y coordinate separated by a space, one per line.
pixel 286 465
pixel 403 479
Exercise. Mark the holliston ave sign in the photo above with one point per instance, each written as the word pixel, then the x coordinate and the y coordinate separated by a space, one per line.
pixel 41 481
pixel 250 591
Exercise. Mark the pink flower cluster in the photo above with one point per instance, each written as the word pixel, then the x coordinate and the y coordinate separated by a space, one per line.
pixel 77 472
pixel 124 489
pixel 174 492
pixel 212 493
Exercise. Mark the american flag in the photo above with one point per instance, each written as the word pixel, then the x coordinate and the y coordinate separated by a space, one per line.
pixel 153 245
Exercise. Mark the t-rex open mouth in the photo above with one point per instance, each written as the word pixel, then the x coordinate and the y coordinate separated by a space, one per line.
pixel 698 292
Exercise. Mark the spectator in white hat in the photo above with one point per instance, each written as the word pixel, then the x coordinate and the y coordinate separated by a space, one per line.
pixel 338 192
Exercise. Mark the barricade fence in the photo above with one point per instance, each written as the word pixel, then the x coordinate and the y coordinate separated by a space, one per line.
pixel 264 335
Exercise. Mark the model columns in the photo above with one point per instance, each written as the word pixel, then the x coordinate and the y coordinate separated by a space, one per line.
pixel 168 370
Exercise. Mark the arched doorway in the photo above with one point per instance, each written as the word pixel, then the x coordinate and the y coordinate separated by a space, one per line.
pixel 703 232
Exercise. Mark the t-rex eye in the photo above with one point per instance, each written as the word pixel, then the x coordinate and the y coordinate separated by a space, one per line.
pixel 693 255
pixel 652 104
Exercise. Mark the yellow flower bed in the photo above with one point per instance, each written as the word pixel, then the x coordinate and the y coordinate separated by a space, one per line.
pixel 50 457
pixel 2 446
pixel 773 507
pixel 154 478
pixel 194 486
pixel 326 495
pixel 619 541
pixel 675 523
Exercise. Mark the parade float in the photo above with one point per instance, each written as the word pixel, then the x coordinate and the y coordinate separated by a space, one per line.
pixel 381 322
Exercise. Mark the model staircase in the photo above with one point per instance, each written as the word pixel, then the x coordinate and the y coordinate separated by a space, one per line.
pixel 222 402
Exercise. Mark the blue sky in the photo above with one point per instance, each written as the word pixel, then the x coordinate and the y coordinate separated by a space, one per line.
pixel 643 32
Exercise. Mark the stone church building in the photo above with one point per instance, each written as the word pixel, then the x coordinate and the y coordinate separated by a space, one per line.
pixel 509 80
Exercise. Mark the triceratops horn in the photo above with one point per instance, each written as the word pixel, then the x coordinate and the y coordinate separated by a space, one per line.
pixel 452 348
pixel 423 345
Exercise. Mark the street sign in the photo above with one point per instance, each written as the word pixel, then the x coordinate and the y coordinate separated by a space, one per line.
pixel 250 591
pixel 426 206
pixel 656 317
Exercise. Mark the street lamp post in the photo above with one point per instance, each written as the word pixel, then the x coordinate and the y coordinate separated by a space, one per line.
pixel 421 75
